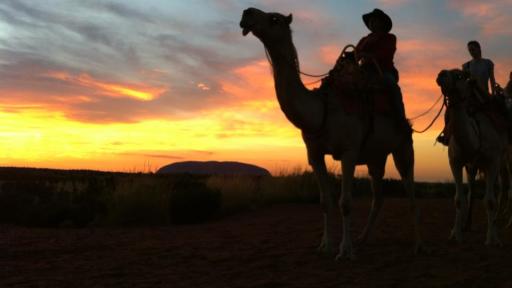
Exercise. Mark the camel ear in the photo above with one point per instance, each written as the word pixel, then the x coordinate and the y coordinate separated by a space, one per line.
pixel 289 19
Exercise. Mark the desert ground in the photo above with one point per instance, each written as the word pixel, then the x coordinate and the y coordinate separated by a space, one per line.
pixel 270 247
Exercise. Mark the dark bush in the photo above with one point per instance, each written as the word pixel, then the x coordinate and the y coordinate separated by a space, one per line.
pixel 191 201
pixel 90 204
pixel 43 203
pixel 139 201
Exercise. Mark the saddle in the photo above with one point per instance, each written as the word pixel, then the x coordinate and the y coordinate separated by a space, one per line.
pixel 497 108
pixel 358 90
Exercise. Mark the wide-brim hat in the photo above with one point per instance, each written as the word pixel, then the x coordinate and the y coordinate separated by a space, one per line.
pixel 386 20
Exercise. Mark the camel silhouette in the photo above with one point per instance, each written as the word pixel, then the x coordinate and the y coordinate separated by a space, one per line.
pixel 474 143
pixel 328 130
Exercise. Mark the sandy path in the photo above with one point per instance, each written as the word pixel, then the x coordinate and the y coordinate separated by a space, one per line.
pixel 272 247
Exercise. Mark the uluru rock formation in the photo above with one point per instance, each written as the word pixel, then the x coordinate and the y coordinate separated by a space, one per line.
pixel 213 168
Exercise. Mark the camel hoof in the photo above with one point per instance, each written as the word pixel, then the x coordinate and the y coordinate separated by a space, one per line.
pixel 346 253
pixel 455 236
pixel 494 243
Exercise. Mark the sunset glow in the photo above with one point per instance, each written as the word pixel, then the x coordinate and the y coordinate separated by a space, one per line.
pixel 111 89
pixel 122 86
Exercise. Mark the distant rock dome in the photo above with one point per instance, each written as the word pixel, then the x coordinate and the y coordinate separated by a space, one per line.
pixel 213 168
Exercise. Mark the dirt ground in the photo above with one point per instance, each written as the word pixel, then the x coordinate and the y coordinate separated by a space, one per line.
pixel 271 247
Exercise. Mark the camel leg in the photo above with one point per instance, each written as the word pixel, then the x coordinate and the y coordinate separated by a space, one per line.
pixel 509 204
pixel 471 174
pixel 502 187
pixel 404 163
pixel 348 167
pixel 490 204
pixel 506 197
pixel 460 201
pixel 376 171
pixel 507 171
pixel 328 203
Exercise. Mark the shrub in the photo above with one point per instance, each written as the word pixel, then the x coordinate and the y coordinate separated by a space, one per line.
pixel 191 201
pixel 140 200
pixel 239 193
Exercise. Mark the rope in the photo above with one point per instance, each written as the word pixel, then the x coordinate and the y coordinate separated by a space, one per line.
pixel 294 63
pixel 341 55
pixel 428 110
pixel 313 75
pixel 433 120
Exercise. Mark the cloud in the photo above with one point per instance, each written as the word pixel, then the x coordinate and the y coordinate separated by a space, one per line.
pixel 329 53
pixel 132 90
pixel 389 3
pixel 58 55
pixel 253 81
pixel 148 155
pixel 492 17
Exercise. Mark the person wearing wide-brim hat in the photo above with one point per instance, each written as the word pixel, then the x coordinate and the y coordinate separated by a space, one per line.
pixel 387 24
pixel 380 44
pixel 378 49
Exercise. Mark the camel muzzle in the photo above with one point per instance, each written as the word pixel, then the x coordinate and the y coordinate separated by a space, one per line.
pixel 245 31
pixel 246 23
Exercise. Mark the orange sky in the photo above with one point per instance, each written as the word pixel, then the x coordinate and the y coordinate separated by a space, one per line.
pixel 121 87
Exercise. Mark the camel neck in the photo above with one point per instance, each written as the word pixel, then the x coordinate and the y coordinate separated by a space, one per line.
pixel 285 67
pixel 298 103
pixel 464 131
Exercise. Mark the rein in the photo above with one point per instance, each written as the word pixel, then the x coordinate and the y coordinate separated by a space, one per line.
pixel 428 110
pixel 328 73
pixel 295 63
pixel 435 118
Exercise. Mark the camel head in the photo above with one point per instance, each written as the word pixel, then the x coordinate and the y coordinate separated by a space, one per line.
pixel 455 85
pixel 270 28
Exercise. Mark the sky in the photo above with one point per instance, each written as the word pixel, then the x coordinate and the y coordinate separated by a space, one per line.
pixel 125 85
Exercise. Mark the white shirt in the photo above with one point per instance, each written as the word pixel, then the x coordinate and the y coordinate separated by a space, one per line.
pixel 481 70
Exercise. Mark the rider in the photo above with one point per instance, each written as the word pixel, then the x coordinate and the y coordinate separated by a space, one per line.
pixel 482 71
pixel 380 45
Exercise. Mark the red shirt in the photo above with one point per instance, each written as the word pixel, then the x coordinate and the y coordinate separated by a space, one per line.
pixel 382 46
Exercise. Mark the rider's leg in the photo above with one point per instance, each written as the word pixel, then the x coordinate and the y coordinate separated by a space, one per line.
pixel 396 95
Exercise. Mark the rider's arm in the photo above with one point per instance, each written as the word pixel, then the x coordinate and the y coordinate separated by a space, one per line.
pixel 361 47
pixel 491 78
